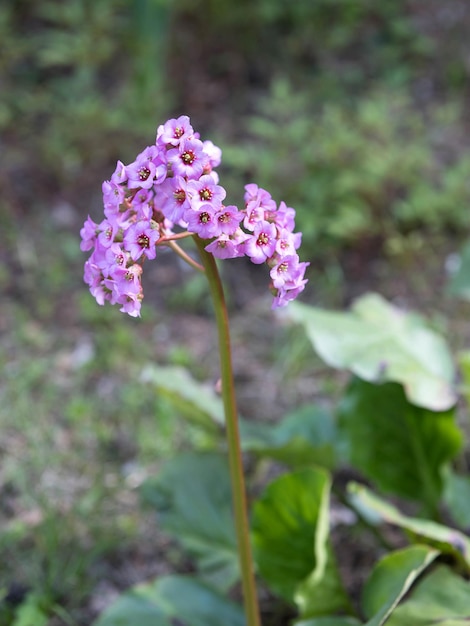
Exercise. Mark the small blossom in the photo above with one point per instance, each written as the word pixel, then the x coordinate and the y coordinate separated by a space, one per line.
pixel 174 131
pixel 228 219
pixel 262 244
pixel 88 234
pixel 205 190
pixel 188 159
pixel 202 221
pixel 141 174
pixel 140 239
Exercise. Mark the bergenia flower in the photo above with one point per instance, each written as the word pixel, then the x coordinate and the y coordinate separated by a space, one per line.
pixel 171 184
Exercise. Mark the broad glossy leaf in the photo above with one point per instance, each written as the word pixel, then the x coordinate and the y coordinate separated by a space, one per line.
pixel 307 436
pixel 172 600
pixel 379 342
pixel 402 448
pixel 196 401
pixel 441 599
pixel 391 579
pixel 290 538
pixel 192 496
pixel 444 538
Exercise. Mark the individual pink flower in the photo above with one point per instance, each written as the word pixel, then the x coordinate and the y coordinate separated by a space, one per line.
pixel 256 197
pixel 174 131
pixel 141 174
pixel 88 234
pixel 228 219
pixel 113 195
pixel 140 239
pixel 287 271
pixel 187 159
pixel 120 174
pixel 287 243
pixel 262 244
pixel 213 154
pixel 205 190
pixel 172 198
pixel 202 221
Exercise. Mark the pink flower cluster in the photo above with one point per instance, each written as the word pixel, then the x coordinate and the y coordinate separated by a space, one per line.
pixel 172 188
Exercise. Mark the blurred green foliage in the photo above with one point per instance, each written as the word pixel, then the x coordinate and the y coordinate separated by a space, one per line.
pixel 78 78
pixel 376 167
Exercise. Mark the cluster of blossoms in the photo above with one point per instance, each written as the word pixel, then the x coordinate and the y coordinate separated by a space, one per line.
pixel 171 190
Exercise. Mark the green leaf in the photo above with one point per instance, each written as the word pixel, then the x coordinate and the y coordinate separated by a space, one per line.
pixel 457 497
pixel 133 607
pixel 307 436
pixel 192 496
pixel 441 599
pixel 463 359
pixel 290 538
pixel 329 621
pixel 391 579
pixel 400 447
pixel 170 600
pixel 459 283
pixel 446 539
pixel 196 401
pixel 378 342
pixel 31 612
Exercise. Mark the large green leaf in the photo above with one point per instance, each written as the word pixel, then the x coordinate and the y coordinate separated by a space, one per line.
pixel 446 539
pixel 441 599
pixel 192 496
pixel 379 342
pixel 391 579
pixel 196 401
pixel 172 600
pixel 290 538
pixel 400 447
pixel 305 437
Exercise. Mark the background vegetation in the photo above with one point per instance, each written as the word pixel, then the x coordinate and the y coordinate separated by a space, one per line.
pixel 353 112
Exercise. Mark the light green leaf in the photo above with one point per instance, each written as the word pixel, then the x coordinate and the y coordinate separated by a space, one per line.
pixel 307 436
pixel 172 599
pixel 444 538
pixel 391 579
pixel 378 342
pixel 30 612
pixel 290 538
pixel 192 496
pixel 400 447
pixel 441 599
pixel 196 401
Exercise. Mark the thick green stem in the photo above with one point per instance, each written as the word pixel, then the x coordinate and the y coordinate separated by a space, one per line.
pixel 237 476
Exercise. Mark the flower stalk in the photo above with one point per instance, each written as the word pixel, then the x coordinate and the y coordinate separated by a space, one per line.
pixel 237 478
